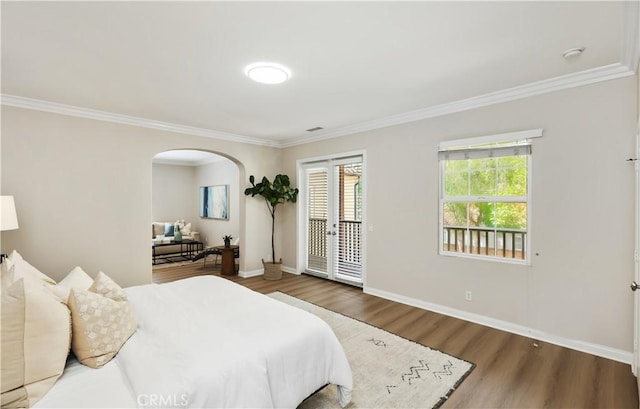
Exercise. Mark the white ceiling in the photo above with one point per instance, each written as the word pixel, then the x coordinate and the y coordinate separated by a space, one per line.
pixel 180 64
pixel 187 157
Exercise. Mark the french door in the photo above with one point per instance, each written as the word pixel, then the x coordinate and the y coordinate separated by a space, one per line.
pixel 333 219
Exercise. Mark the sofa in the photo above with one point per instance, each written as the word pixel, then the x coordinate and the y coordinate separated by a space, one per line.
pixel 167 230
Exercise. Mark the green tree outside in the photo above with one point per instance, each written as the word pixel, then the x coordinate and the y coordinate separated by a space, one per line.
pixel 490 179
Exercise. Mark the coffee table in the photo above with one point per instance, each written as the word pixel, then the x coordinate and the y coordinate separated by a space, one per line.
pixel 188 249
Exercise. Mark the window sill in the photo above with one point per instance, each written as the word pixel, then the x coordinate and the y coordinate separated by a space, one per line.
pixel 485 258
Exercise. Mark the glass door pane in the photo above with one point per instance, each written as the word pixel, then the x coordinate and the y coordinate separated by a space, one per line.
pixel 347 211
pixel 317 219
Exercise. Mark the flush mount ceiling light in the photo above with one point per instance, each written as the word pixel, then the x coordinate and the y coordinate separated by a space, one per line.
pixel 572 52
pixel 267 72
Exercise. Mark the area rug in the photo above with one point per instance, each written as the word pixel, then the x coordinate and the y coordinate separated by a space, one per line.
pixel 388 371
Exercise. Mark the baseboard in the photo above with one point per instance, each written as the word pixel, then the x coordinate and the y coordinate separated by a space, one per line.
pixel 290 270
pixel 590 348
pixel 260 271
pixel 252 273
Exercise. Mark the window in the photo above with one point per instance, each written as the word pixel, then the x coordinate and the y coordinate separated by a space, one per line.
pixel 485 197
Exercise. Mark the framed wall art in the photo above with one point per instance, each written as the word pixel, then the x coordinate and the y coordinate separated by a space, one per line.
pixel 214 202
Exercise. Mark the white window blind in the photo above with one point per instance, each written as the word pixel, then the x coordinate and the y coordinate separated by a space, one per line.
pixel 318 206
pixel 478 153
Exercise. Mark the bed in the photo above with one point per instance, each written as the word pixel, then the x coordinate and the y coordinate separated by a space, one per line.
pixel 208 342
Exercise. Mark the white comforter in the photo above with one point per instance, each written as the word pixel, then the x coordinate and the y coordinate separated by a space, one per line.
pixel 207 342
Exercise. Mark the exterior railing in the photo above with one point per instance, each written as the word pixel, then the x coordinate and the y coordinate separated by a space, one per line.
pixel 503 243
pixel 350 238
pixel 349 233
pixel 318 237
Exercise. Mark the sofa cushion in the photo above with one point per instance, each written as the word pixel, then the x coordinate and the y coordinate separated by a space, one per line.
pixel 168 229
pixel 157 229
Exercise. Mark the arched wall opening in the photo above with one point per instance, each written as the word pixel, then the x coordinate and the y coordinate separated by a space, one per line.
pixel 178 176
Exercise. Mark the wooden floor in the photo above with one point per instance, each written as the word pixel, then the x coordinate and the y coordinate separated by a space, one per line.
pixel 510 371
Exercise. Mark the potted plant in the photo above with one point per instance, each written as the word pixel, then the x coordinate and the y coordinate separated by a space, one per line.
pixel 227 240
pixel 280 191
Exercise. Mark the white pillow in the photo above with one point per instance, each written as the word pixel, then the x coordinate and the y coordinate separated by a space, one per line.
pixel 25 270
pixel 186 229
pixel 76 279
pixel 6 273
pixel 36 334
pixel 103 320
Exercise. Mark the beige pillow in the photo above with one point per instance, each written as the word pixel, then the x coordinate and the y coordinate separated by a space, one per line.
pixel 103 320
pixel 36 334
pixel 77 279
pixel 186 229
pixel 158 229
pixel 25 270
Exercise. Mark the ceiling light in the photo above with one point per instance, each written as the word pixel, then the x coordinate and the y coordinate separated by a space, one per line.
pixel 572 52
pixel 267 72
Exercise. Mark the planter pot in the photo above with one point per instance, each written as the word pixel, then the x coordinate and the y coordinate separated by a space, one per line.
pixel 272 271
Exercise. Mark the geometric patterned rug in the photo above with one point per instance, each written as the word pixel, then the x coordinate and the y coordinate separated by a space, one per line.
pixel 388 371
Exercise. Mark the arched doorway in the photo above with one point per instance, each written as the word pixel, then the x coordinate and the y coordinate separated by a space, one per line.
pixel 180 178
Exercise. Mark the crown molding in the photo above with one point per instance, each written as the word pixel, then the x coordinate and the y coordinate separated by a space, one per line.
pixel 591 76
pixel 70 110
pixel 629 64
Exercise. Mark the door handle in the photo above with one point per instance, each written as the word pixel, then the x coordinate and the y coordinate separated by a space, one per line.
pixel 634 286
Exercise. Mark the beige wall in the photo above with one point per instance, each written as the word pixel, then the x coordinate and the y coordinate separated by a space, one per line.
pixel 83 191
pixel 174 194
pixel 221 173
pixel 582 226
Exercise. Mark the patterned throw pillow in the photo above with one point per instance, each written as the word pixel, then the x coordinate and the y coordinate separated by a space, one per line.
pixel 103 320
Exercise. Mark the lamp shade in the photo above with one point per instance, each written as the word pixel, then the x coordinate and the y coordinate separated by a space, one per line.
pixel 8 216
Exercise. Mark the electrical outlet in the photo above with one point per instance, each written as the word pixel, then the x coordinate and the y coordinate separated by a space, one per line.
pixel 467 295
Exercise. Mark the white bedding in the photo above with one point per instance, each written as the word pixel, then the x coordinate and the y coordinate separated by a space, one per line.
pixel 207 342
pixel 83 387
